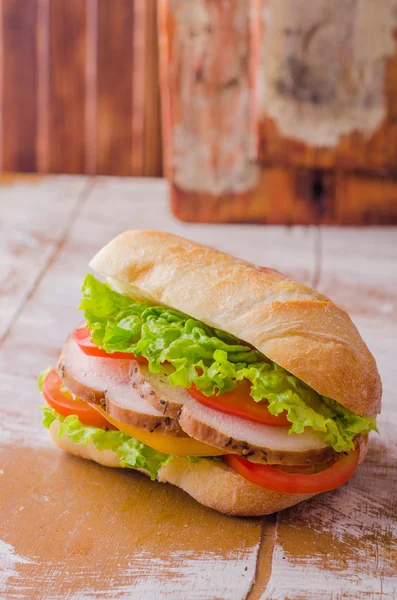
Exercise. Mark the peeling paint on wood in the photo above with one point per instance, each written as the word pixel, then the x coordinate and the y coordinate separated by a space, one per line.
pixel 316 143
pixel 322 66
pixel 9 561
pixel 206 57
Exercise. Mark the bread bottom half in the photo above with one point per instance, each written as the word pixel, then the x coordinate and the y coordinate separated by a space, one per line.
pixel 210 482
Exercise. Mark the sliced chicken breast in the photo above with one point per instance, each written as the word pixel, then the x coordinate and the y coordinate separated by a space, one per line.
pixel 133 395
pixel 88 376
pixel 107 381
pixel 254 441
pixel 124 404
pixel 157 390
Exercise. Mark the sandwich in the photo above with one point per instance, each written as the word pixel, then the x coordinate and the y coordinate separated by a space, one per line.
pixel 248 390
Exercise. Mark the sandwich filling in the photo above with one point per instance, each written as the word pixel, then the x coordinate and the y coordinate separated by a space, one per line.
pixel 212 361
pixel 151 383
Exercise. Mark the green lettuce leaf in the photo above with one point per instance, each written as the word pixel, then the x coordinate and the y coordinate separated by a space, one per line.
pixel 212 360
pixel 41 377
pixel 131 452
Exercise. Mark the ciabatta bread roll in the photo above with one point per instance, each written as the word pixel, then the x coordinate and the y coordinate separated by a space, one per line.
pixel 163 394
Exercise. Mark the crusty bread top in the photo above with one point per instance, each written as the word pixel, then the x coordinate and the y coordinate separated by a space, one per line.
pixel 290 323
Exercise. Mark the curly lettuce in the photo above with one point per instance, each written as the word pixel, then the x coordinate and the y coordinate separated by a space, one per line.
pixel 213 360
pixel 41 377
pixel 131 452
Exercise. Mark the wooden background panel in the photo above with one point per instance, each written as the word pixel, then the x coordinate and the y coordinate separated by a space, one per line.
pixel 364 199
pixel 114 87
pixel 79 87
pixel 283 196
pixel 67 91
pixel 18 85
pixel 153 147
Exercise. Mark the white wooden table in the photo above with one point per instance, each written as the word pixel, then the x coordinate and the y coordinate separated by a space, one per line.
pixel 72 529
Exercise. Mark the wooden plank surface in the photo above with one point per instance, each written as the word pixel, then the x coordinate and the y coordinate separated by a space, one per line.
pixel 114 88
pixel 72 529
pixel 138 77
pixel 18 69
pixel 67 52
pixel 283 196
pixel 153 147
pixel 32 226
pixel 79 87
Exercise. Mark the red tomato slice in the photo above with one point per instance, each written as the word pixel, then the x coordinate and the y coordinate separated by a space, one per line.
pixel 64 404
pixel 82 337
pixel 275 479
pixel 238 402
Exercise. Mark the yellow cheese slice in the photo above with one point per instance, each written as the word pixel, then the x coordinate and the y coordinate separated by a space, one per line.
pixel 169 444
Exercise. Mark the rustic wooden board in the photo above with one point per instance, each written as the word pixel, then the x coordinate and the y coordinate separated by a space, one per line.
pixel 79 87
pixel 373 199
pixel 67 52
pixel 303 44
pixel 114 93
pixel 138 102
pixel 18 82
pixel 153 147
pixel 282 197
pixel 72 529
pixel 206 88
pixel 288 116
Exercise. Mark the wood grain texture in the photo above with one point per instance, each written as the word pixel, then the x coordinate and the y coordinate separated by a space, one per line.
pixel 19 85
pixel 286 196
pixel 152 138
pixel 207 96
pixel 114 87
pixel 67 86
pixel 79 87
pixel 91 87
pixel 138 77
pixel 165 37
pixel 33 220
pixel 371 200
pixel 282 197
